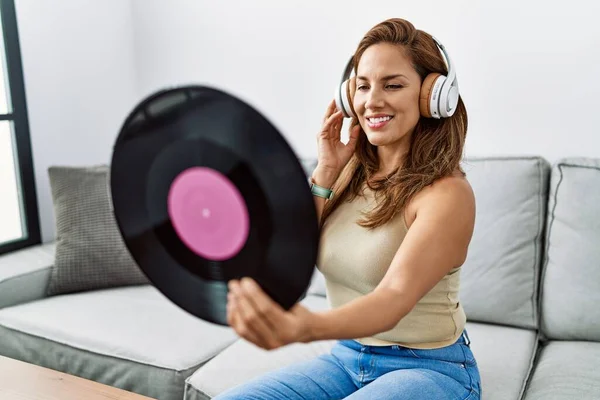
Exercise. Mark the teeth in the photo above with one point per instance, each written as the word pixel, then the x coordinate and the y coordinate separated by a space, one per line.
pixel 379 120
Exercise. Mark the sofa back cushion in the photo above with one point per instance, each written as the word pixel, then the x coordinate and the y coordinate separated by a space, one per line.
pixel 499 279
pixel 571 275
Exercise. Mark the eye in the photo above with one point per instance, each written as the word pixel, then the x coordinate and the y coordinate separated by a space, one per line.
pixel 394 86
pixel 362 87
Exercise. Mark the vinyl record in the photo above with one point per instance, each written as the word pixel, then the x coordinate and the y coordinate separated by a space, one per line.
pixel 205 190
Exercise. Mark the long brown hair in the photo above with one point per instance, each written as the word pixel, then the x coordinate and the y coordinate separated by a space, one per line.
pixel 436 146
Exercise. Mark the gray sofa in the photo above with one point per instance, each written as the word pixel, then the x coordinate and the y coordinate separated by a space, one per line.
pixel 530 287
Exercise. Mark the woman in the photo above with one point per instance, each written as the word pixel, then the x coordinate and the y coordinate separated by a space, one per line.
pixel 393 239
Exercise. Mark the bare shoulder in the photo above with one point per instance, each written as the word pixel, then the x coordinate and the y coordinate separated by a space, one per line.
pixel 451 196
pixel 455 190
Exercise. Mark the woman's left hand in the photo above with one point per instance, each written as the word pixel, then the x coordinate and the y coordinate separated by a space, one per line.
pixel 257 318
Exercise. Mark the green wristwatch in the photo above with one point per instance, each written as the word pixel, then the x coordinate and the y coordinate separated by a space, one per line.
pixel 321 191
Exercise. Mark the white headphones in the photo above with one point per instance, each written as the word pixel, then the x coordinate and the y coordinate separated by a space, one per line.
pixel 438 97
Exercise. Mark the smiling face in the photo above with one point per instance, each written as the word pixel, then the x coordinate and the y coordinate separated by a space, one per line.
pixel 387 96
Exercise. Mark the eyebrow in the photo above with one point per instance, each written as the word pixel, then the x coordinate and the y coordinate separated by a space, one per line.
pixel 385 78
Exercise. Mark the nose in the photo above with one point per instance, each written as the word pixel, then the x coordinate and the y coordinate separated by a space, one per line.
pixel 374 99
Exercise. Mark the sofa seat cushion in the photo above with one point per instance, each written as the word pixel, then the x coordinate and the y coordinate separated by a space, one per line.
pixel 504 356
pixel 133 338
pixel 565 371
pixel 243 361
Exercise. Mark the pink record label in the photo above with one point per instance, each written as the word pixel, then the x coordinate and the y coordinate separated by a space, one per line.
pixel 208 213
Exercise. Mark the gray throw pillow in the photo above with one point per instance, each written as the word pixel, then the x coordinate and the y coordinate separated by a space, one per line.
pixel 90 251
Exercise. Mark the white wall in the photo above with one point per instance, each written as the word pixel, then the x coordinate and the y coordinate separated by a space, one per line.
pixel 79 71
pixel 527 69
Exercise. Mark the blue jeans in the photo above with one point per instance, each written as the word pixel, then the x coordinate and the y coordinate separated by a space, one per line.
pixel 357 372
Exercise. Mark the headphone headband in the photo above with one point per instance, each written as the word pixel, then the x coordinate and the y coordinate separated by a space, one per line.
pixel 451 78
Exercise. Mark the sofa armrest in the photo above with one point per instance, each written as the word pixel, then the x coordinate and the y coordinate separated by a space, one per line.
pixel 24 274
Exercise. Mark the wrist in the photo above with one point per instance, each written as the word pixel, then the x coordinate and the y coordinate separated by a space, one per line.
pixel 315 327
pixel 323 177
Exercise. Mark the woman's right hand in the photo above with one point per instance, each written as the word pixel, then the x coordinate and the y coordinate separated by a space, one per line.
pixel 333 153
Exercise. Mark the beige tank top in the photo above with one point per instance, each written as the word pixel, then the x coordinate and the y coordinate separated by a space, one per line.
pixel 354 259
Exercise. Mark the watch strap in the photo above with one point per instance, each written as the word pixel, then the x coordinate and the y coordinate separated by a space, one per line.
pixel 320 191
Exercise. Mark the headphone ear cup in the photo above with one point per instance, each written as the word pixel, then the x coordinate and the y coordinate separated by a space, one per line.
pixel 346 94
pixel 350 92
pixel 426 93
pixel 449 101
pixel 339 104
